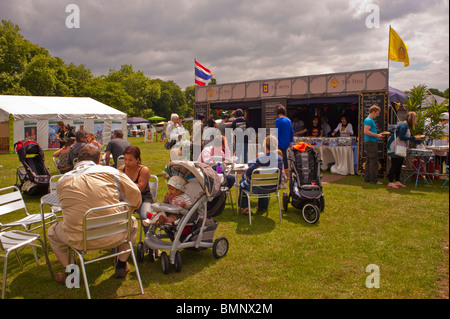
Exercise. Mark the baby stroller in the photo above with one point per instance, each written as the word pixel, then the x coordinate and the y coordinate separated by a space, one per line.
pixel 305 185
pixel 33 176
pixel 196 229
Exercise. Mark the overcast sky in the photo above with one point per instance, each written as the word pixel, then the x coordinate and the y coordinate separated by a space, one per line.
pixel 242 40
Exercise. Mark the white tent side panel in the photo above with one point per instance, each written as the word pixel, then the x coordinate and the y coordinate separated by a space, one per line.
pixel 36 111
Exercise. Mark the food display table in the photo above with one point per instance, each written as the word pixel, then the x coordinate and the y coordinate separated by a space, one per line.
pixel 342 156
pixel 342 151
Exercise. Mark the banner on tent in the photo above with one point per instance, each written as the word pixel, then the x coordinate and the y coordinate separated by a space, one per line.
pixel 53 142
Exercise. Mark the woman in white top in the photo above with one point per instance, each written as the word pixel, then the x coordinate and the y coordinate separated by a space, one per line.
pixel 344 128
pixel 170 126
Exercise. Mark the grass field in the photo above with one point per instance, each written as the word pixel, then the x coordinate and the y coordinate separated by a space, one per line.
pixel 403 231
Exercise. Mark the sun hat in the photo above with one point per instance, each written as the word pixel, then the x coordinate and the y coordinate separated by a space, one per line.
pixel 178 182
pixel 444 116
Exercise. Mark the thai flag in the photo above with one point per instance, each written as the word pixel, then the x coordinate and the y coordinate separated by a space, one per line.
pixel 202 74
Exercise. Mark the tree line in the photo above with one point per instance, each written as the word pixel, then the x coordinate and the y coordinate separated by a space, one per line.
pixel 29 69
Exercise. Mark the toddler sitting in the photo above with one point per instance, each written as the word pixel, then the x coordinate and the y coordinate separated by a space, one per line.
pixel 175 197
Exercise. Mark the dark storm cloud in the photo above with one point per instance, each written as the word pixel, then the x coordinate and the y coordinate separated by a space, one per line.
pixel 240 40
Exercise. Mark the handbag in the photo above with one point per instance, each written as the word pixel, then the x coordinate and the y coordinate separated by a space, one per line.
pixel 401 147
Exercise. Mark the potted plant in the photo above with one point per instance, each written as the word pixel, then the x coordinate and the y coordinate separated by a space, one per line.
pixel 428 117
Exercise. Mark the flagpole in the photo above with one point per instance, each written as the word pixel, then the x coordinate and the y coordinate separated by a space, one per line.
pixel 389 44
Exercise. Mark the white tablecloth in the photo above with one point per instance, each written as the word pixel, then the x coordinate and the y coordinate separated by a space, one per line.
pixel 342 156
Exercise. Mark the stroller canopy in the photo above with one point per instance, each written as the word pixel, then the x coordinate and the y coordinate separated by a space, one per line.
pixel 208 179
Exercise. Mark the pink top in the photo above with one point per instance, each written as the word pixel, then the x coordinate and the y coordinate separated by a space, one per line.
pixel 209 152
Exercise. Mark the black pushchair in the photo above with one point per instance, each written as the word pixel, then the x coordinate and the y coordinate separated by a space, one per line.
pixel 33 178
pixel 196 229
pixel 305 185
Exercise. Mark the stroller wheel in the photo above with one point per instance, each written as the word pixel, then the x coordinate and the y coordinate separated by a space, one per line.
pixel 177 262
pixel 140 251
pixel 165 263
pixel 220 247
pixel 310 213
pixel 285 201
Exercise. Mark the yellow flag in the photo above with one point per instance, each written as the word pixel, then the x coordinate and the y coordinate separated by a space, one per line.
pixel 398 51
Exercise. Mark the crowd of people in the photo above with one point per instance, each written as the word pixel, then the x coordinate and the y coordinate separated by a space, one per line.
pixel 86 184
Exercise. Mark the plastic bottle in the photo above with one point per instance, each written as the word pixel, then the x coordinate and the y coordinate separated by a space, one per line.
pixel 219 168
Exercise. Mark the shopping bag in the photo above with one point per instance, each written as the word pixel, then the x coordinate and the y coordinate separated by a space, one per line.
pixel 400 150
pixel 401 147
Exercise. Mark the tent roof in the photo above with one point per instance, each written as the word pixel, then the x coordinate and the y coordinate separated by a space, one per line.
pixel 136 120
pixel 47 107
pixel 396 95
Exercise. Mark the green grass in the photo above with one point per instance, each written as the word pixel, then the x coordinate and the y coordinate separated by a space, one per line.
pixel 403 231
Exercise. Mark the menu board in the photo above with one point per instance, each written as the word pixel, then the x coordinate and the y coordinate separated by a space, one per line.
pixel 366 100
pixel 270 112
pixel 201 109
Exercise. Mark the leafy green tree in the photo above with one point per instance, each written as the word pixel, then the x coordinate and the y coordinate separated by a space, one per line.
pixel 109 93
pixel 15 51
pixel 138 86
pixel 15 54
pixel 428 117
pixel 46 76
pixel 172 99
pixel 189 94
pixel 78 77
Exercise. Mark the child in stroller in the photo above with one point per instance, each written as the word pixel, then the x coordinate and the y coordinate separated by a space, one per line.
pixel 195 229
pixel 175 197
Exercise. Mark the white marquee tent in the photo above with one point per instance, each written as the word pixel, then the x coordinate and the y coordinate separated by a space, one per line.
pixel 36 118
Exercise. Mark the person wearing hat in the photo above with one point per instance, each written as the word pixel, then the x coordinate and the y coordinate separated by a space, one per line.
pixel 442 156
pixel 176 197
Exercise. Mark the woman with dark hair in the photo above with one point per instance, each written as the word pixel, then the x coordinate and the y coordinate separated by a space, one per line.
pixel 403 135
pixel 344 128
pixel 140 175
pixel 63 156
pixel 61 133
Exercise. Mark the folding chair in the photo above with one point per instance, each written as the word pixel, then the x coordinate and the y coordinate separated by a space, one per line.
pixel 100 226
pixel 56 162
pixel 263 177
pixel 11 200
pixel 14 240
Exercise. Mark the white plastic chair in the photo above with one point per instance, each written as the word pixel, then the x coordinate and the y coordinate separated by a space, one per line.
pixel 56 162
pixel 12 241
pixel 11 200
pixel 53 183
pixel 102 226
pixel 263 177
